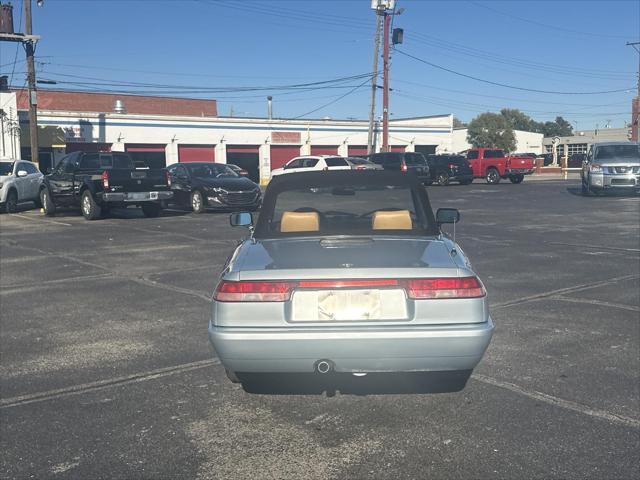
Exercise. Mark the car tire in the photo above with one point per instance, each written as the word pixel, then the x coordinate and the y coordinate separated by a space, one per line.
pixel 492 176
pixel 443 179
pixel 151 210
pixel 11 205
pixel 516 178
pixel 47 203
pixel 90 209
pixel 197 201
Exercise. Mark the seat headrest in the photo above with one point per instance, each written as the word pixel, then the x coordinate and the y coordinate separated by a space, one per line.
pixel 300 222
pixel 396 220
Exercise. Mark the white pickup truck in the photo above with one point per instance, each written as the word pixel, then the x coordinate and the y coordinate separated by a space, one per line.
pixel 20 181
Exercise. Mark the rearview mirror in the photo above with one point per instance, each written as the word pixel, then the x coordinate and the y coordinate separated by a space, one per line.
pixel 241 219
pixel 22 173
pixel 447 215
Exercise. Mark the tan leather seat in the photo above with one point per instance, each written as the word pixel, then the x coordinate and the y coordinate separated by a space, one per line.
pixel 397 220
pixel 300 222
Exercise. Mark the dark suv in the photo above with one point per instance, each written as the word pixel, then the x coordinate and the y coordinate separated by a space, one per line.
pixel 409 162
pixel 450 168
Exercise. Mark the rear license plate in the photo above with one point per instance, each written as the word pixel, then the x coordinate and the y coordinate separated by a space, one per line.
pixel 138 174
pixel 349 305
pixel 139 196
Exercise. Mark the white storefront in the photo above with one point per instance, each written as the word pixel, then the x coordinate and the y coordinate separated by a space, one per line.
pixel 267 144
pixel 526 142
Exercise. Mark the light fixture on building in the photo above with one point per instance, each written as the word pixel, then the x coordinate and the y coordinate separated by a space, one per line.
pixel 119 107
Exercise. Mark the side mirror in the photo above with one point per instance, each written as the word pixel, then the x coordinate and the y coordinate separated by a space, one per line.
pixel 22 173
pixel 241 219
pixel 447 215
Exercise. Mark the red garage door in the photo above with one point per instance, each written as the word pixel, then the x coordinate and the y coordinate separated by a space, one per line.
pixel 196 153
pixel 356 150
pixel 324 150
pixel 398 148
pixel 281 154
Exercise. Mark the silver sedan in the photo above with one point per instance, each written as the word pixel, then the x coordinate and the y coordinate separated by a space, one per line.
pixel 348 272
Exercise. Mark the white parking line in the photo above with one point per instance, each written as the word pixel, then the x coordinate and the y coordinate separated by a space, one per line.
pixel 103 384
pixel 559 402
pixel 38 219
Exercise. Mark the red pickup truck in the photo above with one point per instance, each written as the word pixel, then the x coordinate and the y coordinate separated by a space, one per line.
pixel 492 165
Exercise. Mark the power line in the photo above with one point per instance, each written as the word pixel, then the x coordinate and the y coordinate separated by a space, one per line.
pixel 440 67
pixel 333 101
pixel 540 24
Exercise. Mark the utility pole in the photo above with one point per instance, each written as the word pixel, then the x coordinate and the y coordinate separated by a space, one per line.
pixel 31 80
pixel 374 82
pixel 635 105
pixel 385 84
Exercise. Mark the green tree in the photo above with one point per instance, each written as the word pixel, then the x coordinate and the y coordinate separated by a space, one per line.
pixel 491 130
pixel 519 120
pixel 457 123
pixel 560 127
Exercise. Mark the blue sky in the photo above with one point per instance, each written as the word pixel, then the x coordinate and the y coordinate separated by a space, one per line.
pixel 560 46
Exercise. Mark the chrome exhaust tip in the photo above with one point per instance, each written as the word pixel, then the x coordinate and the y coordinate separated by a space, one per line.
pixel 323 366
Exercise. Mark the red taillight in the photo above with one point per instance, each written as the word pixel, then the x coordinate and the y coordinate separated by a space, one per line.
pixel 167 177
pixel 424 288
pixel 416 288
pixel 105 180
pixel 361 167
pixel 253 291
pixel 403 167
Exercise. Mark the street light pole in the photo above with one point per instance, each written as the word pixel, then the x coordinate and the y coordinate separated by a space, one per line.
pixel 31 80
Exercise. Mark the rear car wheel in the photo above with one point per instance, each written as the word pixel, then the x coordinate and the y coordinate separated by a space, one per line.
pixel 197 201
pixel 11 205
pixel 516 178
pixel 443 179
pixel 151 210
pixel 90 209
pixel 47 204
pixel 493 177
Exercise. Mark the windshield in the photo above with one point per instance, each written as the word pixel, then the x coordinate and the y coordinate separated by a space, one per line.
pixel 211 170
pixel 355 209
pixel 6 168
pixel 605 152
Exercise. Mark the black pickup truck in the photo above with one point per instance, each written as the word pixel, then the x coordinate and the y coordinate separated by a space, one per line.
pixel 96 182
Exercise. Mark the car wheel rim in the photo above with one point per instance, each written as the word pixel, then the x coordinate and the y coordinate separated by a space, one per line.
pixel 44 201
pixel 196 202
pixel 492 176
pixel 86 206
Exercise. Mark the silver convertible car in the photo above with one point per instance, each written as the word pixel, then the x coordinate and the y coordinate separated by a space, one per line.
pixel 348 272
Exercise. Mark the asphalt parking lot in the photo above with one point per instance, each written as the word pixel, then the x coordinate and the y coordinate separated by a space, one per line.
pixel 107 372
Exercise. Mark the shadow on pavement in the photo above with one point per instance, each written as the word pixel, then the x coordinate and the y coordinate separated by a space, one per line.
pixel 577 191
pixel 346 383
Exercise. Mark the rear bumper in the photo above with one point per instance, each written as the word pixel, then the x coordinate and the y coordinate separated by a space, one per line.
pixel 135 197
pixel 520 171
pixel 385 349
